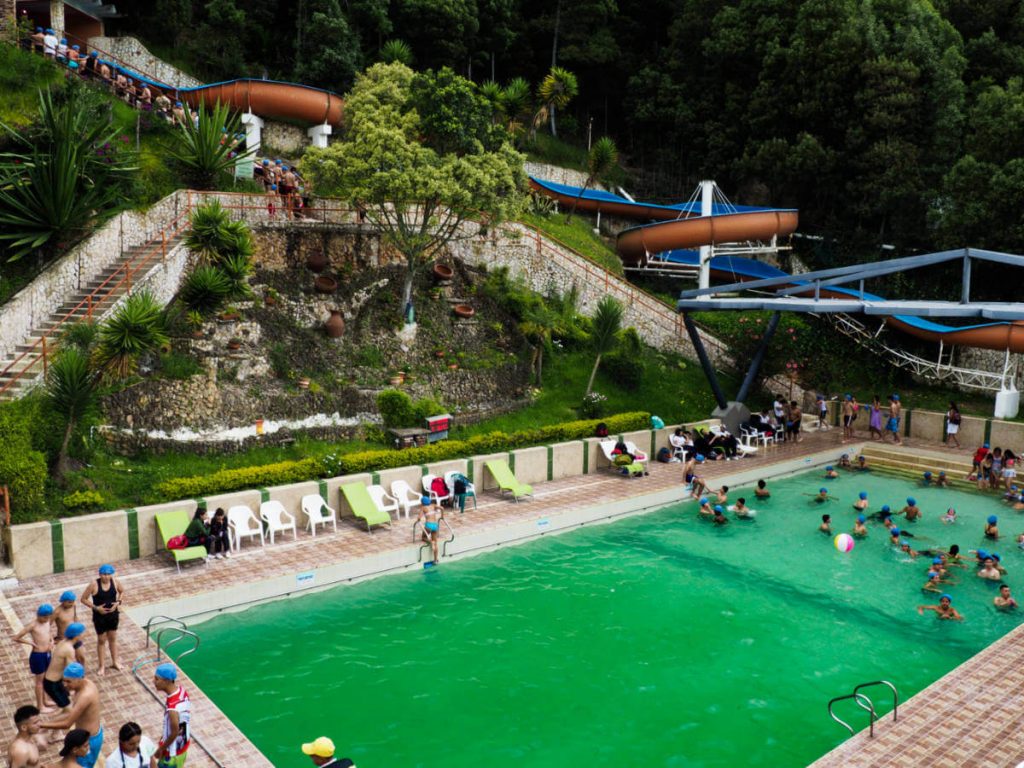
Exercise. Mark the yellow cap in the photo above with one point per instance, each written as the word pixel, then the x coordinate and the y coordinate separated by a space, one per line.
pixel 322 747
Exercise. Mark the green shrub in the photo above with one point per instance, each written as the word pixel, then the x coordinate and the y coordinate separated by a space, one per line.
pixel 24 474
pixel 205 289
pixel 227 480
pixel 178 366
pixel 83 500
pixel 626 371
pixel 395 409
pixel 421 409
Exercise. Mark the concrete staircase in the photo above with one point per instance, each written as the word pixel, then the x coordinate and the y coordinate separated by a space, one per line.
pixel 914 463
pixel 24 368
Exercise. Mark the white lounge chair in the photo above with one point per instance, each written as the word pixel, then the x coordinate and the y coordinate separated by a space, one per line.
pixel 427 482
pixel 384 501
pixel 277 518
pixel 607 446
pixel 449 480
pixel 405 495
pixel 318 513
pixel 243 522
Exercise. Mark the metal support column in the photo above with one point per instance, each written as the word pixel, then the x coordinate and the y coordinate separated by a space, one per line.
pixel 705 362
pixel 755 364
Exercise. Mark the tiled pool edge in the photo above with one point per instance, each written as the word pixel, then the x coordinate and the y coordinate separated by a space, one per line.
pixel 238 598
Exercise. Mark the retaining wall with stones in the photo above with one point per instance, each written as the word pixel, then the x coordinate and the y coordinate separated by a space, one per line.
pixel 283 139
pixel 558 174
pixel 136 56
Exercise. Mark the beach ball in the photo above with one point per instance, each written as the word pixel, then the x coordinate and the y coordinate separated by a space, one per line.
pixel 843 542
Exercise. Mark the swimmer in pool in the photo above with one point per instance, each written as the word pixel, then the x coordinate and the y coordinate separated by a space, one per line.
pixel 944 610
pixel 862 464
pixel 822 496
pixel 999 563
pixel 943 481
pixel 859 530
pixel 1003 601
pixel 954 558
pixel 705 507
pixel 926 479
pixel 740 508
pixel 830 473
pixel 722 494
pixel 950 516
pixel 932 585
pixel 844 461
pixel 912 511
pixel 826 524
pixel 862 501
pixel 430 517
pixel 939 566
pixel 992 527
pixel 906 549
pixel 989 571
pixel 719 518
pixel 762 491
pixel 884 515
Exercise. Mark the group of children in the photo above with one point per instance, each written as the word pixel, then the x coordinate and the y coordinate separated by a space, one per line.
pixel 994 469
pixel 282 184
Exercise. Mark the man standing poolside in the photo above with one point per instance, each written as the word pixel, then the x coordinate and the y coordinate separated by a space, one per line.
pixel 23 751
pixel 84 713
pixel 321 752
pixel 173 747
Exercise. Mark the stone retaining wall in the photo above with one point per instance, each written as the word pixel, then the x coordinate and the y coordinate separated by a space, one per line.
pixel 283 139
pixel 136 56
pixel 558 174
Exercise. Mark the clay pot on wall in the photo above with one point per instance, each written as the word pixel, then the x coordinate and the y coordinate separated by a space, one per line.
pixel 442 272
pixel 234 344
pixel 316 261
pixel 335 324
pixel 325 284
pixel 464 310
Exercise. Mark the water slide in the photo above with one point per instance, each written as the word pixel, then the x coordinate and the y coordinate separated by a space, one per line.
pixel 679 228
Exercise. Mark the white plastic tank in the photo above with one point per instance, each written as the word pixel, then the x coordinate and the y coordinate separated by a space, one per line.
pixel 1007 402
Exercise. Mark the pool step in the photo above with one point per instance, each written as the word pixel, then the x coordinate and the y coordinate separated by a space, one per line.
pixel 950 464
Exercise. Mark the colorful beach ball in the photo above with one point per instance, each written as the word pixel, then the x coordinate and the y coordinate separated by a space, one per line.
pixel 843 542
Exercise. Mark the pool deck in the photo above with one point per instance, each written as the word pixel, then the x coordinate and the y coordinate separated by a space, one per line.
pixel 972 715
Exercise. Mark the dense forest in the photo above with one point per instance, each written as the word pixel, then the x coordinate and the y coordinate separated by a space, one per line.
pixel 893 121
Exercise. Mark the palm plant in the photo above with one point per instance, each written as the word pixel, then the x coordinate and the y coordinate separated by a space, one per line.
pixel 81 334
pixel 207 224
pixel 71 392
pixel 604 334
pixel 515 104
pixel 491 91
pixel 600 160
pixel 201 148
pixel 396 51
pixel 555 91
pixel 205 290
pixel 137 327
pixel 237 268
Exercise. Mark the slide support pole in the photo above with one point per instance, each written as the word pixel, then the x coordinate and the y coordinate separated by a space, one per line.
pixel 755 364
pixel 705 362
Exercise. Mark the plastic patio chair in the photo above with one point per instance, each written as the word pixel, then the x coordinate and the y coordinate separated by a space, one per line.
pixel 384 501
pixel 171 524
pixel 437 499
pixel 314 506
pixel 449 480
pixel 243 522
pixel 506 479
pixel 277 518
pixel 404 494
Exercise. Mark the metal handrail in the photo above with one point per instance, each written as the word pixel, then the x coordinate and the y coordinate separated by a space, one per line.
pixel 891 687
pixel 444 544
pixel 181 634
pixel 858 697
pixel 157 620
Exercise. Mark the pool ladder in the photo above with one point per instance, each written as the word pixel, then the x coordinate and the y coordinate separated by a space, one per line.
pixel 178 631
pixel 866 704
pixel 426 546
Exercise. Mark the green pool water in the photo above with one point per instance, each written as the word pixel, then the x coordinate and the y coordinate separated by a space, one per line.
pixel 658 640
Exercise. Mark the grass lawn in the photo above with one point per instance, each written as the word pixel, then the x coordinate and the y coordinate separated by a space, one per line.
pixel 553 151
pixel 22 75
pixel 579 235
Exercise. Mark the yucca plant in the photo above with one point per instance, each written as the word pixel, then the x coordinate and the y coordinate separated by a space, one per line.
pixel 207 224
pixel 81 335
pixel 205 290
pixel 396 51
pixel 515 104
pixel 137 327
pixel 201 147
pixel 604 334
pixel 236 240
pixel 555 91
pixel 602 157
pixel 237 268
pixel 71 393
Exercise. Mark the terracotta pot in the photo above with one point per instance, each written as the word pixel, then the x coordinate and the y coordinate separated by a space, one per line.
pixel 233 345
pixel 269 301
pixel 198 334
pixel 442 271
pixel 325 284
pixel 228 317
pixel 302 383
pixel 439 353
pixel 453 366
pixel 396 381
pixel 335 324
pixel 316 261
pixel 464 310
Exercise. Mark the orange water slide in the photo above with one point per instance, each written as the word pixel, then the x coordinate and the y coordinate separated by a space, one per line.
pixel 270 99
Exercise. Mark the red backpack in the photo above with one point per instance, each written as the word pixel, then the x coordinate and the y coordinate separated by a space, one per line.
pixel 177 542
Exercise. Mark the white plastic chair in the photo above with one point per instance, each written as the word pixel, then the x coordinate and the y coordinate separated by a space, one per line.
pixel 427 481
pixel 449 480
pixel 403 493
pixel 243 522
pixel 678 451
pixel 751 435
pixel 313 506
pixel 277 518
pixel 384 502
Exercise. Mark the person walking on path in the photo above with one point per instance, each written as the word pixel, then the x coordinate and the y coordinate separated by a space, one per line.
pixel 105 597
pixel 952 424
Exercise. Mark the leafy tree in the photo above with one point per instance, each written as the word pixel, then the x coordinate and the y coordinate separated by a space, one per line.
pixel 418 196
pixel 327 51
pixel 604 334
pixel 206 149
pixel 215 41
pixel 71 391
pixel 455 116
pixel 555 91
pixel 439 31
pixel 601 159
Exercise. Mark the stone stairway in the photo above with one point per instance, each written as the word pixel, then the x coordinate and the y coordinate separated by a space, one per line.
pixel 23 369
pixel 915 463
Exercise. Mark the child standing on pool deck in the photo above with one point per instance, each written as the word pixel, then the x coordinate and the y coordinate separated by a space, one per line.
pixel 875 419
pixel 39 635
pixel 895 413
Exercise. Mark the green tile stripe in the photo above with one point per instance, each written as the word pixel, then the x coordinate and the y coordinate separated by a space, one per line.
pixel 988 431
pixel 586 457
pixel 424 470
pixel 906 424
pixel 469 470
pixel 57 545
pixel 133 533
pixel 551 463
pixel 375 478
pixel 512 461
pixel 654 443
pixel 323 490
pixel 264 494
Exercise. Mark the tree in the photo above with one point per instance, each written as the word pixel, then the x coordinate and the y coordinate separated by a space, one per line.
pixel 327 51
pixel 605 333
pixel 216 42
pixel 603 156
pixel 419 197
pixel 555 91
pixel 71 391
pixel 439 31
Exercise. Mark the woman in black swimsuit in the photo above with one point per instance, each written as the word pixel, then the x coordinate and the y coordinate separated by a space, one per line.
pixel 105 596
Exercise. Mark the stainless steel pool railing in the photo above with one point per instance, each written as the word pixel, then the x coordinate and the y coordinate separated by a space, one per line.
pixel 426 545
pixel 157 620
pixel 891 687
pixel 860 699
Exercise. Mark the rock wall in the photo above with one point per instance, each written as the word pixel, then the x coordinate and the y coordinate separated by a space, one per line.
pixel 32 305
pixel 557 174
pixel 136 56
pixel 990 360
pixel 283 139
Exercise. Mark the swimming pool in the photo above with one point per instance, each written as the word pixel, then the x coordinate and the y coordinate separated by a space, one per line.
pixel 658 640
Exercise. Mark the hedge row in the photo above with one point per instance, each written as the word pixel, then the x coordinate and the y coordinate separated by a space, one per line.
pixel 227 480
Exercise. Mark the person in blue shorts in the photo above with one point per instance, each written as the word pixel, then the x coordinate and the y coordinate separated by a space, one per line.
pixel 39 635
pixel 430 518
pixel 895 414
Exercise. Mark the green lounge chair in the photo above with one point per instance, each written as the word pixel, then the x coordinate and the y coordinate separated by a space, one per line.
pixel 506 480
pixel 171 524
pixel 361 503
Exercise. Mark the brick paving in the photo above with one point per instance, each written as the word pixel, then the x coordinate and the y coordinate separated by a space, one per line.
pixel 153 580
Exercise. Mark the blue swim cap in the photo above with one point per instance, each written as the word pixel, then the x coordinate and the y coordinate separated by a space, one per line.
pixel 166 672
pixel 700 457
pixel 932 574
pixel 63 41
pixel 74 671
pixel 703 500
pixel 273 186
pixel 39 29
pixel 992 519
pixel 947 596
pixel 927 474
pixel 106 570
pixel 75 48
pixel 74 630
pixel 894 532
pixel 266 162
pixel 848 396
pixel 66 596
pixel 911 501
pixel 984 445
pixel 896 398
pixel 44 610
pixel 425 501
pixel 936 561
pixel 904 543
pixel 942 474
pixel 862 495
pixel 885 507
pixel 996 557
pixel 828 468
pixel 982 553
pixel 823 490
pixel 718 508
pixel 860 518
pixel 284 167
